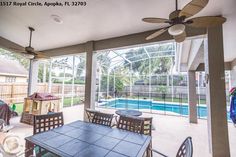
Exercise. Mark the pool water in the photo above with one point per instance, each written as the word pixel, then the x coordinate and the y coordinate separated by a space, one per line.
pixel 167 108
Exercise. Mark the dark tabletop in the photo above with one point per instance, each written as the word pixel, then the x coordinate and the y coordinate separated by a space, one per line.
pixel 129 112
pixel 84 139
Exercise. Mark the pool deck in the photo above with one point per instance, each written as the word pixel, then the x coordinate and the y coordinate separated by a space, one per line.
pixel 168 135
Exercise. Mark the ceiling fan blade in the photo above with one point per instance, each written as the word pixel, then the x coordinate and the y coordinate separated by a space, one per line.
pixel 180 38
pixel 17 50
pixel 41 55
pixel 155 20
pixel 206 21
pixel 193 8
pixel 11 46
pixel 157 33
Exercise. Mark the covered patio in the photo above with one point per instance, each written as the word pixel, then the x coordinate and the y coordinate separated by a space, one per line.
pixel 210 50
pixel 169 131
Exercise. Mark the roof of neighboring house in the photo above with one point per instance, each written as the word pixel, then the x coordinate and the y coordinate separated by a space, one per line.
pixel 12 68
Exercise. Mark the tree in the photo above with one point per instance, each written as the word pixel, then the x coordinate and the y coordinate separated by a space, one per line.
pixel 158 65
pixel 80 67
pixel 120 83
pixel 161 65
pixel 161 89
pixel 135 65
pixel 41 72
pixel 25 62
pixel 17 57
pixel 103 63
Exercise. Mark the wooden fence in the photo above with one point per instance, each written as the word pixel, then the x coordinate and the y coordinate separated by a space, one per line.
pixel 16 92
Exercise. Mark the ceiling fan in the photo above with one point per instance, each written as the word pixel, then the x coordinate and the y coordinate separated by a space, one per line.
pixel 29 52
pixel 179 20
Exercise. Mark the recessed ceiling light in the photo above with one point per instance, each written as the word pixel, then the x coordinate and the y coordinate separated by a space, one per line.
pixel 57 19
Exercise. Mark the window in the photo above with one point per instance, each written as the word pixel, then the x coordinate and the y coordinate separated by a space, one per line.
pixel 10 79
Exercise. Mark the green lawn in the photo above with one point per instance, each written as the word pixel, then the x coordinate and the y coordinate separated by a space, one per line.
pixel 67 101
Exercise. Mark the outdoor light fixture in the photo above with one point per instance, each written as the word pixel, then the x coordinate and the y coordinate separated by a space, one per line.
pixel 57 19
pixel 176 29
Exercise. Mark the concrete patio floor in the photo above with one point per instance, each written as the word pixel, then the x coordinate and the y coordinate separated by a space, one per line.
pixel 169 133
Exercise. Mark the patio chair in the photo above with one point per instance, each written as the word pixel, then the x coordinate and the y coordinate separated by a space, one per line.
pixel 44 123
pixel 90 113
pixel 147 130
pixel 185 150
pixel 2 124
pixel 102 119
pixel 133 124
pixel 47 122
pixel 147 125
pixel 5 112
pixel 3 127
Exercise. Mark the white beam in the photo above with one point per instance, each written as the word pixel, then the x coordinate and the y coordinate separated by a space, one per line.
pixel 146 52
pixel 122 56
pixel 196 54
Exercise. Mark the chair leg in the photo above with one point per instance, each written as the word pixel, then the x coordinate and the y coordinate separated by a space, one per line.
pixel 149 151
pixel 29 148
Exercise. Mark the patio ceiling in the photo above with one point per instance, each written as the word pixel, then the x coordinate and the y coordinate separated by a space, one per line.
pixel 101 20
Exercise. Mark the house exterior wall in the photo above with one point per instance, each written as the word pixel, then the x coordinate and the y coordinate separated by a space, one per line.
pixel 21 79
pixel 12 79
pixel 2 78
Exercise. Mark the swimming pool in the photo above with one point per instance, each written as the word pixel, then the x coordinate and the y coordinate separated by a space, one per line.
pixel 149 105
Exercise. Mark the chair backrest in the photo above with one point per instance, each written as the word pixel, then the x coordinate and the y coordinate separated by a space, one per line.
pixel 102 118
pixel 2 124
pixel 47 122
pixel 186 149
pixel 129 123
pixel 147 126
pixel 90 113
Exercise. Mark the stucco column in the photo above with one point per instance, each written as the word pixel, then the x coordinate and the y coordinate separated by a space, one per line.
pixel 215 91
pixel 50 78
pixel 192 97
pixel 33 76
pixel 90 82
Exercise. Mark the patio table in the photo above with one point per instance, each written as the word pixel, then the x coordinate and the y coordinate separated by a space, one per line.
pixel 129 113
pixel 85 139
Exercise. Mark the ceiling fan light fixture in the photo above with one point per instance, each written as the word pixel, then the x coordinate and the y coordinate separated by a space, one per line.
pixel 28 56
pixel 57 19
pixel 176 29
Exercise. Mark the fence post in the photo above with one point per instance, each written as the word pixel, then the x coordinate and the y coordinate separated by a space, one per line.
pixel 151 101
pixel 12 93
pixel 181 107
pixel 115 100
pixel 45 88
pixel 126 100
pixel 164 97
pixel 198 108
pixel 138 100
